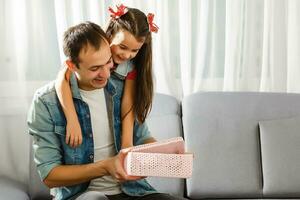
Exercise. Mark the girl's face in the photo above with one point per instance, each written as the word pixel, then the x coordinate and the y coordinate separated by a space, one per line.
pixel 124 46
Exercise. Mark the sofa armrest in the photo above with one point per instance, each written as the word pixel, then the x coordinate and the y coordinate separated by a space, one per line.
pixel 10 189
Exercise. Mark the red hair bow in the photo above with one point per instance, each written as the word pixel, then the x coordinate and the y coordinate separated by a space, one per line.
pixel 121 10
pixel 153 27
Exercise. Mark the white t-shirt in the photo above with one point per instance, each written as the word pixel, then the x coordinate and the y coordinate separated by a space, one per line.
pixel 103 139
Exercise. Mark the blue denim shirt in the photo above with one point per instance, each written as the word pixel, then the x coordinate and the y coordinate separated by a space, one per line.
pixel 47 125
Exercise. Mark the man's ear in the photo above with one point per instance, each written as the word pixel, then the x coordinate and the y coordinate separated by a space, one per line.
pixel 70 65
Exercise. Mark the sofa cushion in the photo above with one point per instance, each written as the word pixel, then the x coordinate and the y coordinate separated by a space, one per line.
pixel 221 128
pixel 280 146
pixel 37 189
pixel 12 190
pixel 164 122
pixel 225 145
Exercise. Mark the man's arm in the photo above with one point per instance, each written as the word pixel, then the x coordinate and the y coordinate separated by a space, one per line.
pixel 65 175
pixel 48 154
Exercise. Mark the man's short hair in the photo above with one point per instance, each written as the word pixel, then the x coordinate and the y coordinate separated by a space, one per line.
pixel 79 36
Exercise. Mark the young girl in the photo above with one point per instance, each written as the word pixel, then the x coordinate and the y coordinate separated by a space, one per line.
pixel 129 33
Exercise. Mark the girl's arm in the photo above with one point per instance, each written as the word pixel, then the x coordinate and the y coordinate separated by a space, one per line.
pixel 150 140
pixel 127 113
pixel 63 90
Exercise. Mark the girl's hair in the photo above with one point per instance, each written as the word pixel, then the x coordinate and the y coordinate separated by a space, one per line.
pixel 135 22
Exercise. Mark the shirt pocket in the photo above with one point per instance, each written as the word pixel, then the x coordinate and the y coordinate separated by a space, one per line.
pixel 70 155
pixel 57 116
pixel 60 130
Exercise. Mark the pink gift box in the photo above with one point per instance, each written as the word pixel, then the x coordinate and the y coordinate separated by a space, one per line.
pixel 165 159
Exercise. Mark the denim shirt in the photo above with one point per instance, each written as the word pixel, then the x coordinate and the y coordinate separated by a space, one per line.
pixel 123 69
pixel 47 125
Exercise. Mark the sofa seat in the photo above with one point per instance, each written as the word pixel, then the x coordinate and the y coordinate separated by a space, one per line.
pixel 12 190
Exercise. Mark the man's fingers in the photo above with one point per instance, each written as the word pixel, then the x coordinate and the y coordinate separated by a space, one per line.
pixel 132 178
pixel 123 176
pixel 125 151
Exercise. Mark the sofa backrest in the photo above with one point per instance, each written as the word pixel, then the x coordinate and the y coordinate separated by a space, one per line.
pixel 37 189
pixel 164 122
pixel 222 129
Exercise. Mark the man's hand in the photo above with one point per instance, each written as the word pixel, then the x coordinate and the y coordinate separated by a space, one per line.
pixel 115 167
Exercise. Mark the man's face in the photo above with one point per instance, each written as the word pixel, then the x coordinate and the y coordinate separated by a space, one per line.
pixel 94 67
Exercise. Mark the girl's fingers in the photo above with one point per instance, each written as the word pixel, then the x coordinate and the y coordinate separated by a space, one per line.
pixel 72 141
pixel 76 141
pixel 80 140
pixel 67 74
pixel 67 138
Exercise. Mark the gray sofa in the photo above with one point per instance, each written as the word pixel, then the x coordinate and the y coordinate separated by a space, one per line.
pixel 245 145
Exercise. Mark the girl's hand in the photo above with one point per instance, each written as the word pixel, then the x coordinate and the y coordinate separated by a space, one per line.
pixel 126 144
pixel 73 133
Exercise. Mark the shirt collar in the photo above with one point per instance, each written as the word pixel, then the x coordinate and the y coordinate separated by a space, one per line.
pixel 110 87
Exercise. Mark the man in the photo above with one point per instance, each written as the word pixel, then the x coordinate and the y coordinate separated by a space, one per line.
pixel 94 169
